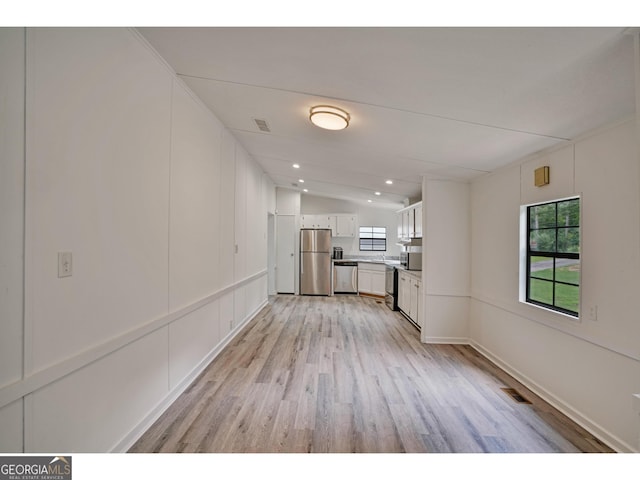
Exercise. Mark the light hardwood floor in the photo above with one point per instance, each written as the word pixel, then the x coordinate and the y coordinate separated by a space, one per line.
pixel 346 374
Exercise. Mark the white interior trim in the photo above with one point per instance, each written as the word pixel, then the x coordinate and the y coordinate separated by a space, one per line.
pixel 37 380
pixel 130 438
pixel 604 435
pixel 556 325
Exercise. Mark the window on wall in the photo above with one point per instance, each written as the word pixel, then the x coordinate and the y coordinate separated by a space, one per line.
pixel 553 255
pixel 373 239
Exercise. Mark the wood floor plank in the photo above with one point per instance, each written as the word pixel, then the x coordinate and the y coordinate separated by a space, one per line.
pixel 346 374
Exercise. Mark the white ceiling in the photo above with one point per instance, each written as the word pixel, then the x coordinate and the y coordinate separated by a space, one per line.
pixel 451 103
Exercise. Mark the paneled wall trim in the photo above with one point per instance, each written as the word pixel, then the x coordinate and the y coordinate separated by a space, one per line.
pixel 587 367
pixel 17 390
pixel 164 213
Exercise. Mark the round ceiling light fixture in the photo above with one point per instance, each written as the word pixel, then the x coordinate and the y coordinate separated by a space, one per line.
pixel 329 118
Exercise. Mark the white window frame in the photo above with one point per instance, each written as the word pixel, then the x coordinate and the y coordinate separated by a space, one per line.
pixel 371 227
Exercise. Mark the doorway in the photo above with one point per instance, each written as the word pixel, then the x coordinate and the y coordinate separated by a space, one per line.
pixel 271 254
pixel 285 253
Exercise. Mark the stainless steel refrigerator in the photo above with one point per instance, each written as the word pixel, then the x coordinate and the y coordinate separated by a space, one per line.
pixel 315 261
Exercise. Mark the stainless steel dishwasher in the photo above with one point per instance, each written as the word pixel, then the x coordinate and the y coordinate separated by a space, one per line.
pixel 345 277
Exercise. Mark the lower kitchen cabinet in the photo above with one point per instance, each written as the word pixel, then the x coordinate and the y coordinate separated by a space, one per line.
pixel 410 296
pixel 371 279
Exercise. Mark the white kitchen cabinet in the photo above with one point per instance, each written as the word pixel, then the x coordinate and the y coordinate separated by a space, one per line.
pixel 332 225
pixel 316 221
pixel 406 224
pixel 415 300
pixel 345 226
pixel 410 296
pixel 410 223
pixel 404 290
pixel 341 225
pixel 417 220
pixel 307 221
pixel 371 278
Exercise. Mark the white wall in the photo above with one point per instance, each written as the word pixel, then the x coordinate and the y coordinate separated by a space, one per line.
pixel 367 216
pixel 128 171
pixel 446 261
pixel 194 237
pixel 11 228
pixel 588 368
pixel 98 159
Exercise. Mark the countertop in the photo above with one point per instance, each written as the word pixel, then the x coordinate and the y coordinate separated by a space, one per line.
pixel 395 263
pixel 379 261
pixel 415 273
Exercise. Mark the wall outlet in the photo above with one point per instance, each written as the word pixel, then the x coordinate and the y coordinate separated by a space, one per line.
pixel 65 265
pixel 593 313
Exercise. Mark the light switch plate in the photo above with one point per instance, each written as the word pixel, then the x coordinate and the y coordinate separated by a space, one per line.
pixel 65 265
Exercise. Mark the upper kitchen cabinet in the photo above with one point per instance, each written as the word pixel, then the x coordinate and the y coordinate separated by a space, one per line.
pixel 410 223
pixel 345 226
pixel 318 221
pixel 417 221
pixel 341 225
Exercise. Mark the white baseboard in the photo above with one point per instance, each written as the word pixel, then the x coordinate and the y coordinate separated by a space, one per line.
pixel 132 437
pixel 446 340
pixel 594 428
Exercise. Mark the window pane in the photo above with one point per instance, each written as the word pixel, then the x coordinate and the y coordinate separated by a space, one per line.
pixel 542 216
pixel 541 291
pixel 569 213
pixel 542 240
pixel 568 270
pixel 373 238
pixel 541 267
pixel 568 297
pixel 569 240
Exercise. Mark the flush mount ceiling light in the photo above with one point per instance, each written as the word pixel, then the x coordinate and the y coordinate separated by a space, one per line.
pixel 329 118
pixel 389 182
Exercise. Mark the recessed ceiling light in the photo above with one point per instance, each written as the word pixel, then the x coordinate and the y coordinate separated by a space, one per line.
pixel 370 201
pixel 305 189
pixel 389 182
pixel 301 180
pixel 329 118
pixel 295 165
pixel 378 193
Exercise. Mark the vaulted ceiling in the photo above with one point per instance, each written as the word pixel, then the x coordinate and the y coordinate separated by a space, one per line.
pixel 446 103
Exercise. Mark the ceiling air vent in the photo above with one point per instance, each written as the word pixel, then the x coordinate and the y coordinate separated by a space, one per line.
pixel 262 125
